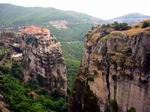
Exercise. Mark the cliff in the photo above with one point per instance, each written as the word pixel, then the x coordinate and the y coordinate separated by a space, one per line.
pixel 43 62
pixel 115 68
pixel 3 106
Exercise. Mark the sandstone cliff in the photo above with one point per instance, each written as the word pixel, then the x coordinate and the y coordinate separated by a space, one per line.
pixel 42 59
pixel 115 66
pixel 3 106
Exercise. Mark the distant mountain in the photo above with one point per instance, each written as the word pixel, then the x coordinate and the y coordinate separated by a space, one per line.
pixel 65 25
pixel 131 18
pixel 17 15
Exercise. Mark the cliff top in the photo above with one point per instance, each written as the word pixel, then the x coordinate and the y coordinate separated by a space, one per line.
pixel 116 30
pixel 128 33
pixel 35 30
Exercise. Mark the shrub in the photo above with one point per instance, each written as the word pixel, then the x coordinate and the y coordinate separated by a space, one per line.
pixel 40 80
pixel 131 109
pixel 111 107
pixel 4 69
pixel 114 105
pixel 16 70
pixel 105 26
pixel 120 26
pixel 56 94
pixel 145 24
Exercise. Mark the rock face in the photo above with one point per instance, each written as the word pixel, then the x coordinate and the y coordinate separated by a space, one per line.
pixel 43 61
pixel 3 106
pixel 115 66
pixel 7 38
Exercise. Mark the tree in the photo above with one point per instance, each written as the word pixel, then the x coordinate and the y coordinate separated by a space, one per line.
pixel 131 109
pixel 145 24
pixel 37 107
pixel 16 70
pixel 114 105
pixel 120 26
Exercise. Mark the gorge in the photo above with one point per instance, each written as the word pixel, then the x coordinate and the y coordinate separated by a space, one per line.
pixel 50 62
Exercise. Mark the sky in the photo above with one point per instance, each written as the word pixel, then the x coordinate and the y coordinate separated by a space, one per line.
pixel 104 9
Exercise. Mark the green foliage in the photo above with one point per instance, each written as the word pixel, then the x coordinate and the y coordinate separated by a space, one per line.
pixel 56 94
pixel 36 15
pixel 3 52
pixel 145 24
pixel 120 26
pixel 4 69
pixel 72 52
pixel 1 56
pixel 37 107
pixel 131 109
pixel 78 23
pixel 72 70
pixel 114 105
pixel 17 95
pixel 75 32
pixel 105 26
pixel 16 70
pixel 40 80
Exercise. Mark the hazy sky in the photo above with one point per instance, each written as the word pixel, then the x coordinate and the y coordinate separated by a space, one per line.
pixel 104 9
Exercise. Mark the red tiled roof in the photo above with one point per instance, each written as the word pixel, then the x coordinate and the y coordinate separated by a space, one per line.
pixel 35 30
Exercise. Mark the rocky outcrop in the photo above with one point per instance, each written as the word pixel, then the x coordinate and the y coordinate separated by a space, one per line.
pixel 3 106
pixel 115 66
pixel 7 38
pixel 43 61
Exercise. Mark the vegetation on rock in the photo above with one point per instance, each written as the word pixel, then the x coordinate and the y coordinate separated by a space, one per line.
pixel 131 109
pixel 120 26
pixel 25 96
pixel 145 24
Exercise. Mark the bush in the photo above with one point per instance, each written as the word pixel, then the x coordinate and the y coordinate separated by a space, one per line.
pixel 114 105
pixel 120 26
pixel 40 80
pixel 145 24
pixel 111 107
pixel 4 69
pixel 56 94
pixel 131 109
pixel 16 70
pixel 105 26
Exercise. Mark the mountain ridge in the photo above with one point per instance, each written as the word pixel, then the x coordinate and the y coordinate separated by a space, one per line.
pixel 23 15
pixel 33 13
pixel 131 18
pixel 136 14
